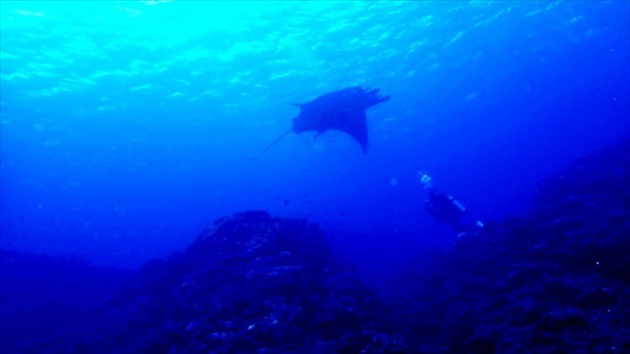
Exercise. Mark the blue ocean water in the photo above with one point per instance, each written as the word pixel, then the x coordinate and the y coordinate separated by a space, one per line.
pixel 126 128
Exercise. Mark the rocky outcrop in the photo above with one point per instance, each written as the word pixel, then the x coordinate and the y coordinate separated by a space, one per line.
pixel 254 283
pixel 554 281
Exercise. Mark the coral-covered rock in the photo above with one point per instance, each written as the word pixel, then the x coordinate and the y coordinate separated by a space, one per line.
pixel 554 281
pixel 253 283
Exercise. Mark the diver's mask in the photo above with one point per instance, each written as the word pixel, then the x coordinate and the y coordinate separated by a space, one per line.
pixel 425 180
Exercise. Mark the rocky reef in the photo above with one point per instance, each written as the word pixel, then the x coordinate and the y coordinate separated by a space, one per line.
pixel 253 283
pixel 554 281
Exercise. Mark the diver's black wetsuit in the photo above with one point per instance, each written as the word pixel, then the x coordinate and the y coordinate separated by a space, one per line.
pixel 448 210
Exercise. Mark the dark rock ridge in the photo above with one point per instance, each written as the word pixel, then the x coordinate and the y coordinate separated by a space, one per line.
pixel 257 283
pixel 252 284
pixel 554 281
pixel 43 296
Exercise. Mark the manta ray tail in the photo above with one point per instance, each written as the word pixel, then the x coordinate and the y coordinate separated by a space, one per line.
pixel 274 142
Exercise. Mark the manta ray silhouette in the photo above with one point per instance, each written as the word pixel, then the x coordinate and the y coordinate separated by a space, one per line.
pixel 342 110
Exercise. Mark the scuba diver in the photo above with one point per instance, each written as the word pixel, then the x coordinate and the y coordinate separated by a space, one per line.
pixel 448 210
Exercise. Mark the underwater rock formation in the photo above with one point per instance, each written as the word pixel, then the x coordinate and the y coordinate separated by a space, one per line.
pixel 48 297
pixel 252 284
pixel 553 281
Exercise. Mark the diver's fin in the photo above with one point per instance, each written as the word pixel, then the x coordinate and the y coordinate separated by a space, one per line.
pixel 274 142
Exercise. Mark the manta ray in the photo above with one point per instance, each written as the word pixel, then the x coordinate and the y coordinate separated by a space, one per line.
pixel 342 110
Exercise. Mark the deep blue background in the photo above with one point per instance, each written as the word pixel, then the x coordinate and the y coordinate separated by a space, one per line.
pixel 126 128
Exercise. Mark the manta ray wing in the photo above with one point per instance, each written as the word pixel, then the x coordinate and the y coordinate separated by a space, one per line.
pixel 354 123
